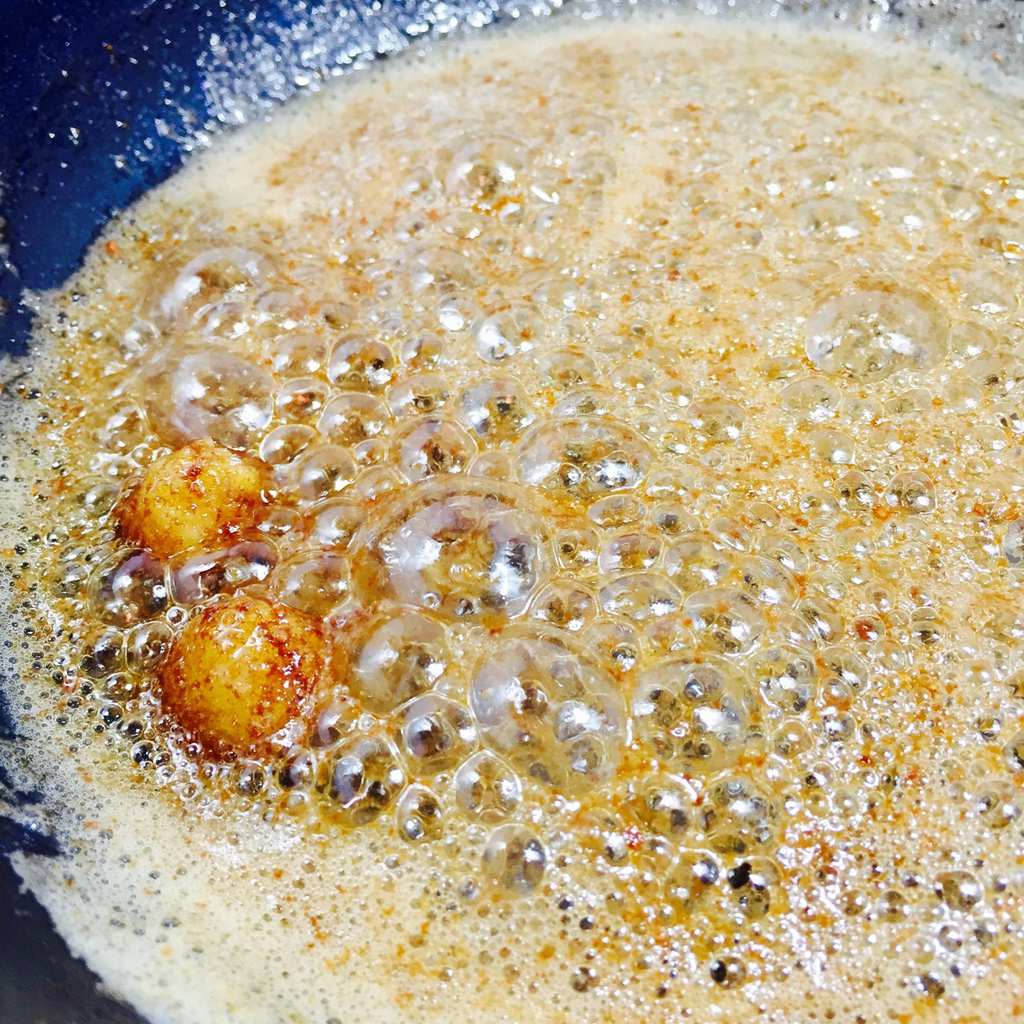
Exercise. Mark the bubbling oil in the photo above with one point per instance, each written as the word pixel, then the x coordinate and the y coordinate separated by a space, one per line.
pixel 642 414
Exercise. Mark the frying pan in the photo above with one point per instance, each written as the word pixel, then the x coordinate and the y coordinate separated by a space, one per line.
pixel 102 99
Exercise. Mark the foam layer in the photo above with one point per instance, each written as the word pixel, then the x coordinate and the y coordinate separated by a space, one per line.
pixel 690 353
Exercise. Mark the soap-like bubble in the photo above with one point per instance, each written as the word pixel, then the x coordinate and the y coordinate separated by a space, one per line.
pixel 728 620
pixel 565 604
pixel 419 395
pixel 662 804
pixel 397 656
pixel 640 596
pixel 321 473
pixel 497 409
pixel 352 417
pixel 365 778
pixel 867 335
pixel 787 677
pixel 487 787
pixel 301 399
pixel 199 577
pixel 583 459
pixel 505 335
pixel 361 364
pixel 467 550
pixel 738 817
pixel 315 582
pixel 691 714
pixel 695 562
pixel 717 420
pixel 433 446
pixel 483 168
pixel 691 877
pixel 129 588
pixel 285 444
pixel 514 859
pixel 209 277
pixel 215 394
pixel 418 814
pixel 629 552
pixel 552 712
pixel 434 732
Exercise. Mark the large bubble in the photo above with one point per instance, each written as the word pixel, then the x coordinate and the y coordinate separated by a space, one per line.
pixel 467 549
pixel 551 711
pixel 582 459
pixel 867 335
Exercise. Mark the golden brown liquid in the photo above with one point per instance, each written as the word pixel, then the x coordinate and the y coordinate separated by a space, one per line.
pixel 644 411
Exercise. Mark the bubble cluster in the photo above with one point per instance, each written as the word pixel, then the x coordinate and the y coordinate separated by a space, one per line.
pixel 657 497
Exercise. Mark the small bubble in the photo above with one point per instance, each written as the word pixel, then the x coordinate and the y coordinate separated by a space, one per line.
pixel 514 858
pixel 302 399
pixel 365 778
pixel 130 588
pixel 315 584
pixel 285 444
pixel 321 473
pixel 430 446
pixel 728 972
pixel 418 815
pixel 352 417
pixel 486 787
pixel 361 364
pixel 564 604
pixel 911 492
pixel 504 335
pixel 434 733
pixel 959 890
pixel 717 420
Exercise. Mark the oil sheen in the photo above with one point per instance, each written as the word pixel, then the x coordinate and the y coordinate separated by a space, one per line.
pixel 643 405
